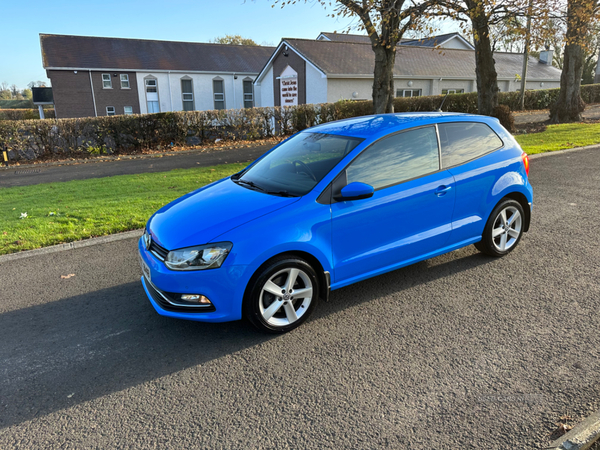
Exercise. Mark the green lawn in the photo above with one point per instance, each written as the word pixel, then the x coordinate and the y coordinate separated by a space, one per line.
pixel 560 137
pixel 74 210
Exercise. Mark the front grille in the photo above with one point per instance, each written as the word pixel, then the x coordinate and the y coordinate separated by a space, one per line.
pixel 160 297
pixel 158 251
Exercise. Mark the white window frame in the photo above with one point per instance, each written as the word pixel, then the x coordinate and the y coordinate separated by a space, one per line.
pixel 248 96
pixel 128 113
pixel 187 96
pixel 453 91
pixel 106 78
pixel 412 93
pixel 150 78
pixel 108 111
pixel 219 96
pixel 126 80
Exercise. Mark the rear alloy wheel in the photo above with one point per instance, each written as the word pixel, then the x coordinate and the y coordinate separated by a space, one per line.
pixel 503 230
pixel 282 296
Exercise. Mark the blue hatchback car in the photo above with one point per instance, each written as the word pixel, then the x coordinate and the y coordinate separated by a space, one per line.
pixel 331 206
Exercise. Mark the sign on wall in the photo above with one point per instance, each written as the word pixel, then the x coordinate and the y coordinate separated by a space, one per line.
pixel 288 87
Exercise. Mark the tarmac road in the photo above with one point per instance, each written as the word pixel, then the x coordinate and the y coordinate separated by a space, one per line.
pixel 461 351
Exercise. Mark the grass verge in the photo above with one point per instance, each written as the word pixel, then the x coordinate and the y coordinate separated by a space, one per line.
pixel 560 137
pixel 74 210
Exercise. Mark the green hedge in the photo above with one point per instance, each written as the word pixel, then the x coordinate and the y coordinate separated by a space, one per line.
pixel 31 139
pixel 25 114
pixel 18 104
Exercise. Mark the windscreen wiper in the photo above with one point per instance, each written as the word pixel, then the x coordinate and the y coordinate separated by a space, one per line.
pixel 282 193
pixel 251 184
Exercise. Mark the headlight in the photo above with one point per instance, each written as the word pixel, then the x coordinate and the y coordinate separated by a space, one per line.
pixel 209 256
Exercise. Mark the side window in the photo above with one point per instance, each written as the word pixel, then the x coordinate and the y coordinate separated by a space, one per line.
pixel 106 81
pixel 124 81
pixel 187 94
pixel 152 95
pixel 397 158
pixel 464 141
pixel 248 94
pixel 218 93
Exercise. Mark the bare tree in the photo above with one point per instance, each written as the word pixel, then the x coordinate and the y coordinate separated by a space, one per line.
pixel 386 22
pixel 580 17
pixel 233 40
pixel 483 16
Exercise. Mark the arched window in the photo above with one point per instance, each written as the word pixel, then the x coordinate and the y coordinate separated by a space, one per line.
pixel 151 86
pixel 248 93
pixel 187 93
pixel 219 93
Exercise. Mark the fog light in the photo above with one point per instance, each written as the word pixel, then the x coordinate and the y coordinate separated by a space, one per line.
pixel 195 298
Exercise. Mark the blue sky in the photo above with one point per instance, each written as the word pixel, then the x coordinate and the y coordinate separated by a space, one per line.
pixel 178 20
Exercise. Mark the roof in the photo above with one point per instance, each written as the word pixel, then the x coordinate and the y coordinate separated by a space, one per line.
pixel 89 52
pixel 343 59
pixel 375 126
pixel 364 39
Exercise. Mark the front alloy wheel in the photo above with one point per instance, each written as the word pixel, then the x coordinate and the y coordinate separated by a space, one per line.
pixel 282 296
pixel 503 230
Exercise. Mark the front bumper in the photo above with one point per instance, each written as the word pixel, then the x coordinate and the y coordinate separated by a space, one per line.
pixel 223 286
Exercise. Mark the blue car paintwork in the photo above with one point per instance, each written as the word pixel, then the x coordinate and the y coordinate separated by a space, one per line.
pixel 396 224
pixel 208 212
pixel 444 211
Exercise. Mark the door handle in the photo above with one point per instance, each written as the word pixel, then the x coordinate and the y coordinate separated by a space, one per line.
pixel 441 190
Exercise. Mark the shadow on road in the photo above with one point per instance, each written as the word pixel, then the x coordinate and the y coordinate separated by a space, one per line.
pixel 67 352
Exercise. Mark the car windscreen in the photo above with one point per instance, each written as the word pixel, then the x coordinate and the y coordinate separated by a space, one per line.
pixel 298 164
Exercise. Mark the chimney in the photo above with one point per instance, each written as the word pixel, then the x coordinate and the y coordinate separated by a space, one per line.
pixel 546 57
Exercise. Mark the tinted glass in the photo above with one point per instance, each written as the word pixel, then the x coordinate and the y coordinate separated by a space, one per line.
pixel 462 142
pixel 396 158
pixel 186 86
pixel 297 165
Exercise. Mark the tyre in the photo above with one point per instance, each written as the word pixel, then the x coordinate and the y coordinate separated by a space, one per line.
pixel 503 230
pixel 281 295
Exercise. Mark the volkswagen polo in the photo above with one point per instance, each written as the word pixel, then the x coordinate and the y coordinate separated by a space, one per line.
pixel 331 206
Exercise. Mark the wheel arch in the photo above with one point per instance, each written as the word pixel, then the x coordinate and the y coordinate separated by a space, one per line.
pixel 520 197
pixel 312 260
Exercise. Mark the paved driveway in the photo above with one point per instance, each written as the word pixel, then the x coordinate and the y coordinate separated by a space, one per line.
pixel 461 351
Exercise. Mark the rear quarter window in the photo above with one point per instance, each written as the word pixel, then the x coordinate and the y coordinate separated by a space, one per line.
pixel 465 141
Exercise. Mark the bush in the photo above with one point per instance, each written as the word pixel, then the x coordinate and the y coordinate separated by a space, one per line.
pixel 25 114
pixel 503 114
pixel 32 139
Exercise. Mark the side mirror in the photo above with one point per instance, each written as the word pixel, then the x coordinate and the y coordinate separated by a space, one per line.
pixel 356 191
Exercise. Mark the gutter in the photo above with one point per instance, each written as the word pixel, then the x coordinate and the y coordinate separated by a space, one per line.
pixel 93 95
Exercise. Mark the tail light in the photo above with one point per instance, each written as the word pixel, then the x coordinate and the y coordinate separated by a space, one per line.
pixel 525 162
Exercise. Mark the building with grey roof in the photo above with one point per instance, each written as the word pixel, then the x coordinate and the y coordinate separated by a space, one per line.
pixel 450 40
pixel 99 76
pixel 338 66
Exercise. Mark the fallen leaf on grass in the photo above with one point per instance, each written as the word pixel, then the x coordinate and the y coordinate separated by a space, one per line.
pixel 67 276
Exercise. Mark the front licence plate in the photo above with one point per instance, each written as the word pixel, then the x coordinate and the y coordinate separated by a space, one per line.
pixel 145 270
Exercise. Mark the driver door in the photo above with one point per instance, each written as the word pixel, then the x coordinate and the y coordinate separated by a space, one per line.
pixel 409 215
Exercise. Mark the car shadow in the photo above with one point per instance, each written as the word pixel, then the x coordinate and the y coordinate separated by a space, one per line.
pixel 60 354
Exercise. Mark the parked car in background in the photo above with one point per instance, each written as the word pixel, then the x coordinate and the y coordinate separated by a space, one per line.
pixel 331 206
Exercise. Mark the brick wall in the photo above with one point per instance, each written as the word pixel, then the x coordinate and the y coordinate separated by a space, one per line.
pixel 116 96
pixel 73 94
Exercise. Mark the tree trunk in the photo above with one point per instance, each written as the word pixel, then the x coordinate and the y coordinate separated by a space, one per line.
pixel 383 81
pixel 526 57
pixel 485 66
pixel 569 106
